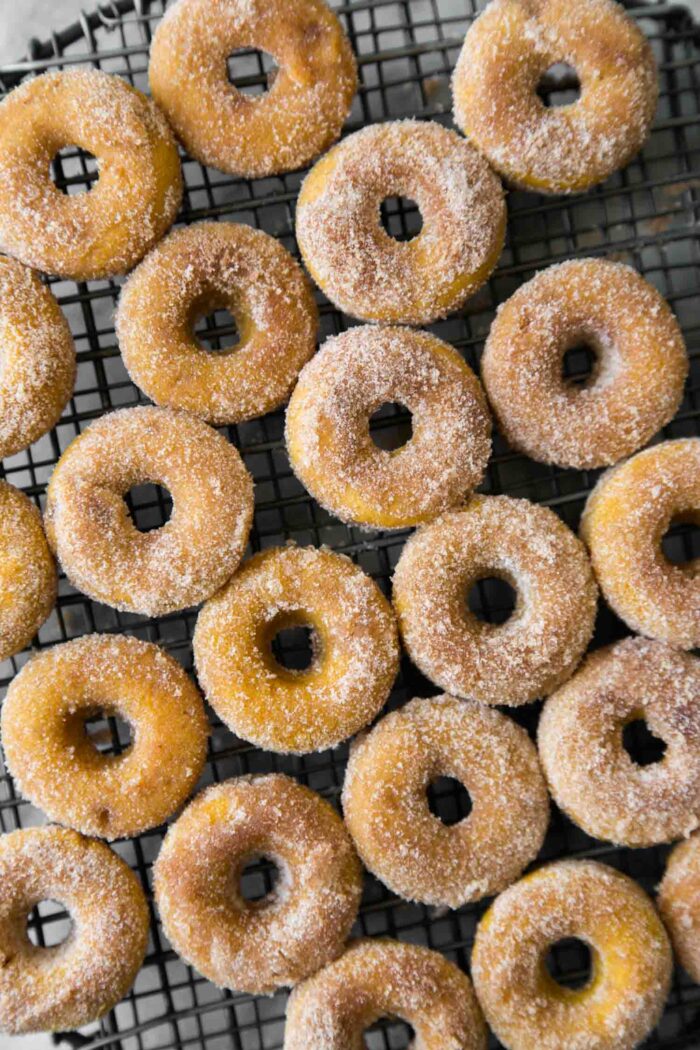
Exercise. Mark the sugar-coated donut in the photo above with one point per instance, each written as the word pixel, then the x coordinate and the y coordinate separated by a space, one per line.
pixel 679 903
pixel 135 199
pixel 534 651
pixel 90 529
pixel 193 272
pixel 76 982
pixel 27 571
pixel 303 924
pixel 38 358
pixel 378 977
pixel 591 775
pixel 624 521
pixel 631 961
pixel 355 646
pixel 307 101
pixel 358 265
pixel 560 149
pixel 55 764
pixel 637 382
pixel 412 851
pixel 328 434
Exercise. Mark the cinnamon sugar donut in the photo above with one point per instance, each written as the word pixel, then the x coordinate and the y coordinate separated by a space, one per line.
pixel 540 645
pixel 637 382
pixel 623 524
pixel 47 747
pixel 193 272
pixel 378 977
pixel 192 555
pixel 76 982
pixel 307 100
pixel 260 946
pixel 27 571
pixel 562 149
pixel 38 358
pixel 591 775
pixel 631 960
pixel 679 903
pixel 385 801
pixel 135 199
pixel 328 436
pixel 355 645
pixel 361 268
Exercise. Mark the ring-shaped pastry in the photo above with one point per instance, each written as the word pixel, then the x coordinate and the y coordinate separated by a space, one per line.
pixel 679 903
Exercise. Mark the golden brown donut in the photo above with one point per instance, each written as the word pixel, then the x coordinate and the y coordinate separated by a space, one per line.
pixel 74 983
pixel 540 645
pixel 328 435
pixel 385 801
pixel 300 114
pixel 561 149
pixel 358 265
pixel 378 977
pixel 630 953
pixel 624 521
pixel 355 645
pixel 53 760
pixel 27 571
pixel 294 931
pixel 187 559
pixel 135 199
pixel 637 382
pixel 193 272
pixel 38 358
pixel 679 903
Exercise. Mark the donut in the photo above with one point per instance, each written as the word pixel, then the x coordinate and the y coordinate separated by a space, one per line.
pixel 38 358
pixel 530 548
pixel 679 903
pixel 47 747
pixel 386 809
pixel 631 961
pixel 562 149
pixel 308 98
pixel 592 777
pixel 134 200
pixel 192 555
pixel 624 521
pixel 637 381
pixel 328 435
pixel 378 977
pixel 70 985
pixel 27 572
pixel 369 274
pixel 260 946
pixel 354 642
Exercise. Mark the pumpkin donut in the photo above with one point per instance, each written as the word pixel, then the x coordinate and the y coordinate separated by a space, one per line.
pixel 562 149
pixel 308 97
pixel 135 199
pixel 679 903
pixel 101 550
pixel 371 275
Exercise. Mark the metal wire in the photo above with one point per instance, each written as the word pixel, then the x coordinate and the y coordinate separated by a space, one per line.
pixel 646 215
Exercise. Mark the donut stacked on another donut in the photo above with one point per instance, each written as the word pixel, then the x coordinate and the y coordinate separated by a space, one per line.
pixel 679 902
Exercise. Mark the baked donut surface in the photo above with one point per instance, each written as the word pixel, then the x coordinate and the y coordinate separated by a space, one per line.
pixel 557 149
pixel 328 436
pixel 637 382
pixel 74 983
pixel 135 199
pixel 679 903
pixel 385 801
pixel 358 265
pixel 172 567
pixel 301 113
pixel 260 946
pixel 193 272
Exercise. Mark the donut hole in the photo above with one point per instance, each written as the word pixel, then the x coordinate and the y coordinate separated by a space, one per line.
pixel 389 1032
pixel 74 171
pixel 680 543
pixel 251 71
pixel 449 800
pixel 642 746
pixel 492 599
pixel 217 332
pixel 559 85
pixel 401 218
pixel 48 924
pixel 108 732
pixel 258 880
pixel 150 506
pixel 293 642
pixel 391 426
pixel 580 365
pixel 569 962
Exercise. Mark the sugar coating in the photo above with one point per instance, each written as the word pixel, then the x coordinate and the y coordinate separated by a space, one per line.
pixel 679 903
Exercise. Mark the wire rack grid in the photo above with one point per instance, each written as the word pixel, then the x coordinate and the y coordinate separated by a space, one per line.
pixel 646 215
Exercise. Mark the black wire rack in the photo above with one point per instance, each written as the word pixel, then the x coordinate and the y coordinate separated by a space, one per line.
pixel 646 215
